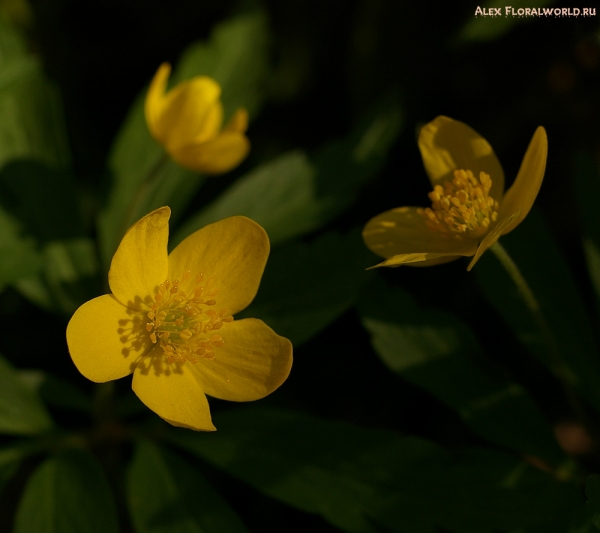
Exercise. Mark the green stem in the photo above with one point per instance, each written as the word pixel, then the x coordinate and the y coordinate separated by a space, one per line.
pixel 133 208
pixel 103 401
pixel 149 183
pixel 558 364
pixel 529 299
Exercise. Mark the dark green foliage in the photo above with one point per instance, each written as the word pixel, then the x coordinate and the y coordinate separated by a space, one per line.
pixel 68 493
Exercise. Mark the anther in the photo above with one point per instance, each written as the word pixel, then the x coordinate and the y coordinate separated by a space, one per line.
pixel 461 206
pixel 182 324
pixel 186 334
pixel 217 340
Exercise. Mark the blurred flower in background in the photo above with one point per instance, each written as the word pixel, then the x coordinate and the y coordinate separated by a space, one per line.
pixel 188 119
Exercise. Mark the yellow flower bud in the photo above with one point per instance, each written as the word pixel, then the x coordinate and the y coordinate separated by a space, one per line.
pixel 187 120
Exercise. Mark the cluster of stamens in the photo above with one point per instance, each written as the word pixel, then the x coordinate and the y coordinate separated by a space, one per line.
pixel 462 206
pixel 183 324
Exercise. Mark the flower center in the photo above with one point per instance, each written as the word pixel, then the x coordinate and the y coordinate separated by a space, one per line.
pixel 182 324
pixel 461 207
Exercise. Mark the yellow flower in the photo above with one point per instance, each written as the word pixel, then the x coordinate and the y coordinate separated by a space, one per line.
pixel 469 210
pixel 169 320
pixel 187 121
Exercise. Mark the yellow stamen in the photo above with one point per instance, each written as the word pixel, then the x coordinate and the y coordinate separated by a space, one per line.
pixel 462 207
pixel 182 324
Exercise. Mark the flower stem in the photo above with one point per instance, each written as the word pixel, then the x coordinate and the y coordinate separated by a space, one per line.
pixel 137 200
pixel 103 401
pixel 149 183
pixel 558 364
pixel 525 292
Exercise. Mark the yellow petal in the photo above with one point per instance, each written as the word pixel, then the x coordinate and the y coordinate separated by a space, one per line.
pixel 419 259
pixel 447 145
pixel 217 156
pixel 186 111
pixel 238 122
pixel 490 239
pixel 155 97
pixel 232 252
pixel 252 363
pixel 522 194
pixel 212 124
pixel 106 339
pixel 140 263
pixel 402 231
pixel 173 392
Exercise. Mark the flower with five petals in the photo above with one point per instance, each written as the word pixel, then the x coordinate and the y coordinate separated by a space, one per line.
pixel 469 209
pixel 169 320
pixel 187 121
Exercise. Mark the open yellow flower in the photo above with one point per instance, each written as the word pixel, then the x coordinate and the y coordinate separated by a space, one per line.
pixel 187 121
pixel 470 210
pixel 169 320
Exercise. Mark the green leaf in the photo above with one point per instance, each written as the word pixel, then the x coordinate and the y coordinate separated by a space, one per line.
pixel 69 276
pixel 56 391
pixel 237 57
pixel 305 287
pixel 68 493
pixel 36 193
pixel 279 195
pixel 293 194
pixel 357 478
pixel 21 411
pixel 31 121
pixel 144 178
pixel 438 352
pixel 30 127
pixel 20 258
pixel 41 202
pixel 167 495
pixel 488 28
pixel 10 458
pixel 538 258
